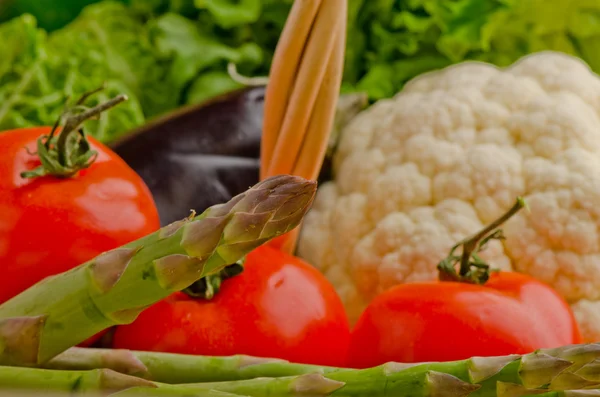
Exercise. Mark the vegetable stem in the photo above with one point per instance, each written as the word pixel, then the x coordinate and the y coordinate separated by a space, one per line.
pixel 70 152
pixel 207 287
pixel 472 268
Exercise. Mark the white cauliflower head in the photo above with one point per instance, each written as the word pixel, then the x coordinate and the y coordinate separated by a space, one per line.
pixel 451 152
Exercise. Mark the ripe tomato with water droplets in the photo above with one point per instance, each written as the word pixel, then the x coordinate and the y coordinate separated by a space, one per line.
pixel 278 307
pixel 444 321
pixel 51 224
pixel 470 311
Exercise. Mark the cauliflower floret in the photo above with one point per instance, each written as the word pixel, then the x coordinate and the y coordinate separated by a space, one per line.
pixel 416 173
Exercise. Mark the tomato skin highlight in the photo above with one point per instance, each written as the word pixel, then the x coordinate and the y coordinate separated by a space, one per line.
pixel 445 321
pixel 278 307
pixel 50 225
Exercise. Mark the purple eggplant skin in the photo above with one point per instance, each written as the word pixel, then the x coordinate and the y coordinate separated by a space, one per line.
pixel 200 155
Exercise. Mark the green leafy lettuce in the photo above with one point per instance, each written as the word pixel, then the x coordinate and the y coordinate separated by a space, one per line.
pixel 395 41
pixel 168 53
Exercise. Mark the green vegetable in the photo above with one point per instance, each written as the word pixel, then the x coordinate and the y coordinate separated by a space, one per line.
pixel 75 382
pixel 160 64
pixel 14 378
pixel 167 53
pixel 146 392
pixel 179 368
pixel 398 40
pixel 51 14
pixel 194 56
pixel 36 76
pixel 505 389
pixel 548 370
pixel 228 14
pixel 107 42
pixel 113 288
pixel 562 393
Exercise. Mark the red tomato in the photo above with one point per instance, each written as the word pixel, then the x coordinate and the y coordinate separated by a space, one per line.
pixel 278 307
pixel 443 321
pixel 50 225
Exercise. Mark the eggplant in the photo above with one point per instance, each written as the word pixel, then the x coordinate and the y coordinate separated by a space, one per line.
pixel 207 153
pixel 200 155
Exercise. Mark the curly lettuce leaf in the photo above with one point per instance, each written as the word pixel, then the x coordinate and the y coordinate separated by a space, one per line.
pixel 49 14
pixel 35 82
pixel 231 13
pixel 149 9
pixel 168 53
pixel 107 42
pixel 210 85
pixel 23 74
pixel 398 41
pixel 198 60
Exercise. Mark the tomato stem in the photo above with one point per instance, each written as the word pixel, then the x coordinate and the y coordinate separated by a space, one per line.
pixel 472 268
pixel 209 286
pixel 64 155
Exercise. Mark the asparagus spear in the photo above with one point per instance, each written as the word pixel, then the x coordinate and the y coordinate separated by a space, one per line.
pixel 477 376
pixel 41 380
pixel 569 393
pixel 565 393
pixel 146 393
pixel 566 368
pixel 179 368
pixel 94 382
pixel 107 381
pixel 113 288
pixel 512 390
pixel 160 392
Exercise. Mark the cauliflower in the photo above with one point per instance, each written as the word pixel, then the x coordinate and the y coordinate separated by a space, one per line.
pixel 416 173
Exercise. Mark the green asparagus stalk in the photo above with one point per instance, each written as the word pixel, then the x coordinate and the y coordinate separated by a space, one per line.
pixel 477 376
pixel 183 368
pixel 426 382
pixel 567 393
pixel 180 368
pixel 40 380
pixel 566 368
pixel 512 390
pixel 162 392
pixel 113 288
pixel 142 392
pixel 147 393
pixel 99 382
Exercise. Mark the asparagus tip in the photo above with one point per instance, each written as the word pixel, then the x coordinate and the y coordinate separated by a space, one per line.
pixel 115 381
pixel 590 371
pixel 568 381
pixel 538 369
pixel 314 384
pixel 579 354
pixel 445 385
pixel 20 340
pixel 392 367
pixel 482 368
pixel 176 272
pixel 107 268
pixel 506 389
pixel 125 362
pixel 248 361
